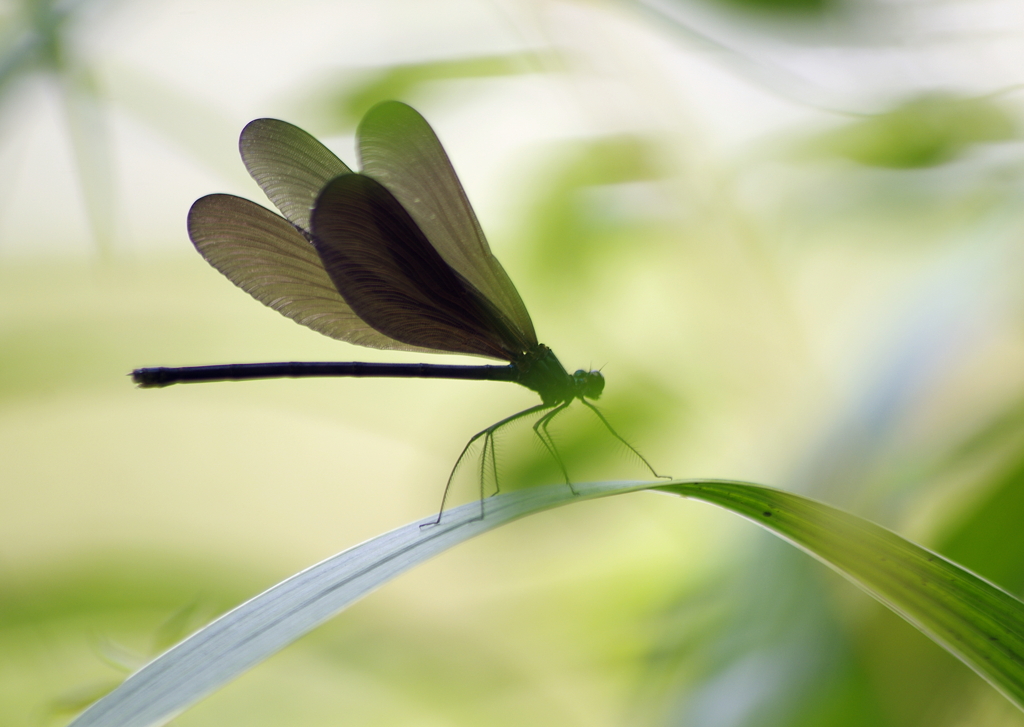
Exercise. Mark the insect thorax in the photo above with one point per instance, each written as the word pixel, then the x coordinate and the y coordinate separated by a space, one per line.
pixel 541 371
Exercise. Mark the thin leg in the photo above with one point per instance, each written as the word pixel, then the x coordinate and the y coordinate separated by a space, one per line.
pixel 629 446
pixel 494 466
pixel 489 452
pixel 488 447
pixel 488 433
pixel 540 428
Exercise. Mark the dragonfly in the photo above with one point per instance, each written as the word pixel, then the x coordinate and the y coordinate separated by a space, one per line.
pixel 389 257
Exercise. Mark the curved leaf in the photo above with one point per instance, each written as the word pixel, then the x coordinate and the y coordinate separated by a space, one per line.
pixel 258 628
pixel 975 620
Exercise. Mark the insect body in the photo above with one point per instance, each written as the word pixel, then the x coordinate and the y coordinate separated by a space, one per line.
pixel 390 257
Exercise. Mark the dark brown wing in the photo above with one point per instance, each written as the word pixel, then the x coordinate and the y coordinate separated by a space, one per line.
pixel 398 148
pixel 266 256
pixel 393 278
pixel 290 166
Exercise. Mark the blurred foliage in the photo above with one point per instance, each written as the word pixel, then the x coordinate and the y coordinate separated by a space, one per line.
pixel 344 108
pixel 921 132
pixel 760 9
pixel 124 605
pixel 979 540
pixel 785 8
pixel 591 209
pixel 38 37
pixel 34 34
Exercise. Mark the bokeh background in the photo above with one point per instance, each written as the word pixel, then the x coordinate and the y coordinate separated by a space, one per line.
pixel 789 231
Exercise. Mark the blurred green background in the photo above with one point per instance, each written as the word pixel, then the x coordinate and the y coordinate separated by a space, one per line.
pixel 788 231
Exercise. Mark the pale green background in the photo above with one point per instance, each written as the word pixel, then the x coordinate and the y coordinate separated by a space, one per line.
pixel 783 279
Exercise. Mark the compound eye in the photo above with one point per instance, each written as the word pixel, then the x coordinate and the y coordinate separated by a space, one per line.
pixel 589 383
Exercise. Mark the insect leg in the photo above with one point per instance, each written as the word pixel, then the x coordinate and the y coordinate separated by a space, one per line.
pixel 488 435
pixel 629 446
pixel 489 448
pixel 494 465
pixel 540 428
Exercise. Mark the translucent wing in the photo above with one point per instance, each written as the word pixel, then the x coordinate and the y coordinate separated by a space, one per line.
pixel 264 255
pixel 395 280
pixel 398 148
pixel 290 166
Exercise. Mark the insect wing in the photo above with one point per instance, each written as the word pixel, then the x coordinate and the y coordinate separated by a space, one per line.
pixel 395 280
pixel 263 254
pixel 290 166
pixel 398 148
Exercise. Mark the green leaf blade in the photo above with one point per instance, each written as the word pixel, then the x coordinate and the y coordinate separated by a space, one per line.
pixel 975 620
pixel 265 624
